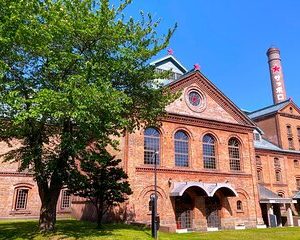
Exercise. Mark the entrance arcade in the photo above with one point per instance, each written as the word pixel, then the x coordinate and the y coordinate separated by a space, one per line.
pixel 198 205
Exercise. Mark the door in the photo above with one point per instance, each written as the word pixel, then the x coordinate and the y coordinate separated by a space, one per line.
pixel 184 212
pixel 212 209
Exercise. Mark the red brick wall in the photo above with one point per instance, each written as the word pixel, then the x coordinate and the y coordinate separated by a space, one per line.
pixel 141 175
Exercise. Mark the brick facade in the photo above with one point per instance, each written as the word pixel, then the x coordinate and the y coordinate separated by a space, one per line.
pixel 223 121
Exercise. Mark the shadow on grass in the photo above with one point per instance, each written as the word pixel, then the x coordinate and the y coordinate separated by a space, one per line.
pixel 64 229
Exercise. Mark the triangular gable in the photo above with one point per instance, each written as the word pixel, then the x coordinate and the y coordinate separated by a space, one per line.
pixel 217 106
pixel 169 62
pixel 290 108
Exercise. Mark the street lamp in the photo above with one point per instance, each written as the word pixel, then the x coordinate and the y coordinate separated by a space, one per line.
pixel 154 226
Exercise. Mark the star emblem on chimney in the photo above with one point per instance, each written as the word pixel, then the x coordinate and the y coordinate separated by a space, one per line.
pixel 276 68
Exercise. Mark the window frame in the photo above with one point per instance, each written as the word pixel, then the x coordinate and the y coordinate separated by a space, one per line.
pixel 179 153
pixel 278 174
pixel 62 206
pixel 25 200
pixel 151 152
pixel 232 150
pixel 239 206
pixel 215 148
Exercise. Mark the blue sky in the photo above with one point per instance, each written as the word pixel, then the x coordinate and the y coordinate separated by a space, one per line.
pixel 229 40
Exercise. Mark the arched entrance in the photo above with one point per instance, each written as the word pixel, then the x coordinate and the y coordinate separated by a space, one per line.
pixel 184 211
pixel 212 210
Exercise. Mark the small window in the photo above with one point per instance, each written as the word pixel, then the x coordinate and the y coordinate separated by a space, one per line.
pixel 65 199
pixel 276 162
pixel 296 163
pixel 239 206
pixel 258 160
pixel 256 137
pixel 291 110
pixel 289 129
pixel 259 175
pixel 150 206
pixel 21 199
pixel 291 143
pixel 281 194
pixel 298 131
pixel 278 176
pixel 298 183
pixel 152 196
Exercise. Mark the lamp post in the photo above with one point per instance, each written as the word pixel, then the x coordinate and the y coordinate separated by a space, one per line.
pixel 154 226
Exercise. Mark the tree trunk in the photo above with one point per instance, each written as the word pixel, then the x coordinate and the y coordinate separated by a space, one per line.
pixel 99 216
pixel 48 211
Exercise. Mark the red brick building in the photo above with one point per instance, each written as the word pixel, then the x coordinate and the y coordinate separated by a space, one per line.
pixel 218 167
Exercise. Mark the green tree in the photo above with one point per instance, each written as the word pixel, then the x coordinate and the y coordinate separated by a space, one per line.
pixel 101 180
pixel 73 72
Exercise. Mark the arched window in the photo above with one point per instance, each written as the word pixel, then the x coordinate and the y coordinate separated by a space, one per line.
pixel 234 154
pixel 151 145
pixel 278 175
pixel 209 153
pixel 181 149
pixel 259 175
pixel 258 160
pixel 276 163
pixel 151 201
pixel 239 205
pixel 289 129
pixel 65 199
pixel 21 197
pixel 281 194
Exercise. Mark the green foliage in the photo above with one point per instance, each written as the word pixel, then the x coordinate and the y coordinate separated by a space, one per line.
pixel 74 72
pixel 101 180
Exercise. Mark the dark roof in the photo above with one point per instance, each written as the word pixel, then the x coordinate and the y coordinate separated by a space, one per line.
pixel 268 110
pixel 297 195
pixel 169 58
pixel 265 144
pixel 265 193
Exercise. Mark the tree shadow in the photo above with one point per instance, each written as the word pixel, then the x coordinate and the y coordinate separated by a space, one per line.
pixel 64 229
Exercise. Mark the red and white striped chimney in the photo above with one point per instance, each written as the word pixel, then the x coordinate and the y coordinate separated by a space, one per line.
pixel 276 75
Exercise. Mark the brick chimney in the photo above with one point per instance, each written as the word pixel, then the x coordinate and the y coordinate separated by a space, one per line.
pixel 276 75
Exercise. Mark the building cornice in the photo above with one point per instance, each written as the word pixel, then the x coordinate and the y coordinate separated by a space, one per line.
pixel 190 171
pixel 276 152
pixel 289 116
pixel 16 174
pixel 201 122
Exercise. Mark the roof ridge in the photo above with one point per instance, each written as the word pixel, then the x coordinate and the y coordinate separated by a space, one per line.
pixel 264 108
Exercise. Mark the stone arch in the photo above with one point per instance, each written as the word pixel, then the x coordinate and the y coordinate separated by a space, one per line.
pixel 150 188
pixel 211 133
pixel 184 129
pixel 25 185
pixel 238 138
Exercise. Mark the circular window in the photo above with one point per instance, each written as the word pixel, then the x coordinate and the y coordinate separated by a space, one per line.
pixel 195 100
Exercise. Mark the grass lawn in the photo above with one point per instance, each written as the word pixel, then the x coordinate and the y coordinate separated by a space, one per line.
pixel 72 229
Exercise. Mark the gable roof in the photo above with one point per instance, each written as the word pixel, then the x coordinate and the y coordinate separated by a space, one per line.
pixel 169 58
pixel 221 96
pixel 265 193
pixel 268 110
pixel 265 144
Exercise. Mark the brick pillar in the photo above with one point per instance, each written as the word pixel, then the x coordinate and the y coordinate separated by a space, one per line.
pixel 289 213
